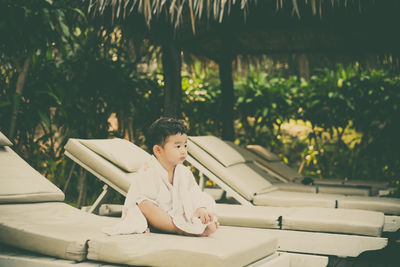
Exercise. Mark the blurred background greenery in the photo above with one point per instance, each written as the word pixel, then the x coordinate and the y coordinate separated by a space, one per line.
pixel 64 74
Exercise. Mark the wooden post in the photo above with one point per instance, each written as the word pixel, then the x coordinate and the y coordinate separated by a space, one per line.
pixel 304 66
pixel 171 61
pixel 23 72
pixel 225 75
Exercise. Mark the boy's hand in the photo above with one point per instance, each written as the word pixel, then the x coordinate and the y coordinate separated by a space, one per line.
pixel 203 215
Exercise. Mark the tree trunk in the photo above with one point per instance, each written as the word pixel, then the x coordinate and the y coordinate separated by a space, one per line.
pixel 225 75
pixel 171 61
pixel 18 94
pixel 304 66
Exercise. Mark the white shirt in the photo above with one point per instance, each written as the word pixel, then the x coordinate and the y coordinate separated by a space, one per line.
pixel 180 199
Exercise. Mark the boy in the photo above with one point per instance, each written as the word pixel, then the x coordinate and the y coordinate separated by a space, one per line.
pixel 164 192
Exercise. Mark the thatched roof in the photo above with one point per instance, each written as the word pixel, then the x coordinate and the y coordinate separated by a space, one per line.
pixel 212 10
pixel 354 28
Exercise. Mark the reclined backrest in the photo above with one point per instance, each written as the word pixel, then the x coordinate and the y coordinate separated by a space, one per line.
pixel 228 164
pixel 19 182
pixel 251 161
pixel 122 159
pixel 274 163
pixel 4 141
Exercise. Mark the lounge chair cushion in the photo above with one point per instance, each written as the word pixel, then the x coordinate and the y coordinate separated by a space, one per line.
pixel 361 183
pixel 19 182
pixel 241 176
pixel 54 228
pixel 250 216
pixel 228 246
pixel 360 222
pixel 345 190
pixel 121 152
pixel 294 187
pixel 383 204
pixel 117 178
pixel 219 150
pixel 283 170
pixel 280 198
pixel 264 153
pixel 272 162
pixel 300 199
pixel 303 218
pixel 245 180
pixel 4 140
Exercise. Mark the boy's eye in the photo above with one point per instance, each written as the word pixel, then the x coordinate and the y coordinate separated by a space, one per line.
pixel 185 145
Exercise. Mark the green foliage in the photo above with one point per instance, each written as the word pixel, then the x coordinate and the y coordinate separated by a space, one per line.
pixel 351 100
pixel 201 98
pixel 71 92
pixel 376 98
pixel 352 115
pixel 81 74
pixel 264 101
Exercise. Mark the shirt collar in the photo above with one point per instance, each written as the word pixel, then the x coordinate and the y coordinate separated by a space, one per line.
pixel 163 172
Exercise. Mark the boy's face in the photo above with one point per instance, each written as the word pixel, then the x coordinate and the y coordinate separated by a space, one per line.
pixel 174 150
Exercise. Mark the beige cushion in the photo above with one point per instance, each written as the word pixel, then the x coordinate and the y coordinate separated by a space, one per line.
pixel 353 191
pixel 247 155
pixel 54 228
pixel 281 169
pixel 293 187
pixel 300 199
pixel 361 183
pixel 250 216
pixel 108 172
pixel 272 162
pixel 303 218
pixel 245 180
pixel 4 140
pixel 334 220
pixel 377 184
pixel 121 152
pixel 280 198
pixel 19 182
pixel 383 204
pixel 229 246
pixel 218 149
pixel 264 153
pixel 241 177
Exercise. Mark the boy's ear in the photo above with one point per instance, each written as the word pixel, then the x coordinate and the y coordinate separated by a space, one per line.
pixel 156 150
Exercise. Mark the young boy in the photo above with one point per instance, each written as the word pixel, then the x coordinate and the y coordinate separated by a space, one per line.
pixel 164 192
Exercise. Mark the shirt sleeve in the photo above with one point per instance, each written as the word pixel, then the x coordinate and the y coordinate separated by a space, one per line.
pixel 200 198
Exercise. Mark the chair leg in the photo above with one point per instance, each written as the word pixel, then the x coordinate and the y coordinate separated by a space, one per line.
pixel 202 181
pixel 96 205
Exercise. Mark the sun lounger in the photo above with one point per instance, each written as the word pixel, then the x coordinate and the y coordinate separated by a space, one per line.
pixel 283 172
pixel 100 157
pixel 15 257
pixel 33 218
pixel 246 181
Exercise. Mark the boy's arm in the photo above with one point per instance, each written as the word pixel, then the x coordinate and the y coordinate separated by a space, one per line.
pixel 202 200
pixel 204 204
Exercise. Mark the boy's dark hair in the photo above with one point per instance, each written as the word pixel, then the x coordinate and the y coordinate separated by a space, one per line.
pixel 161 129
